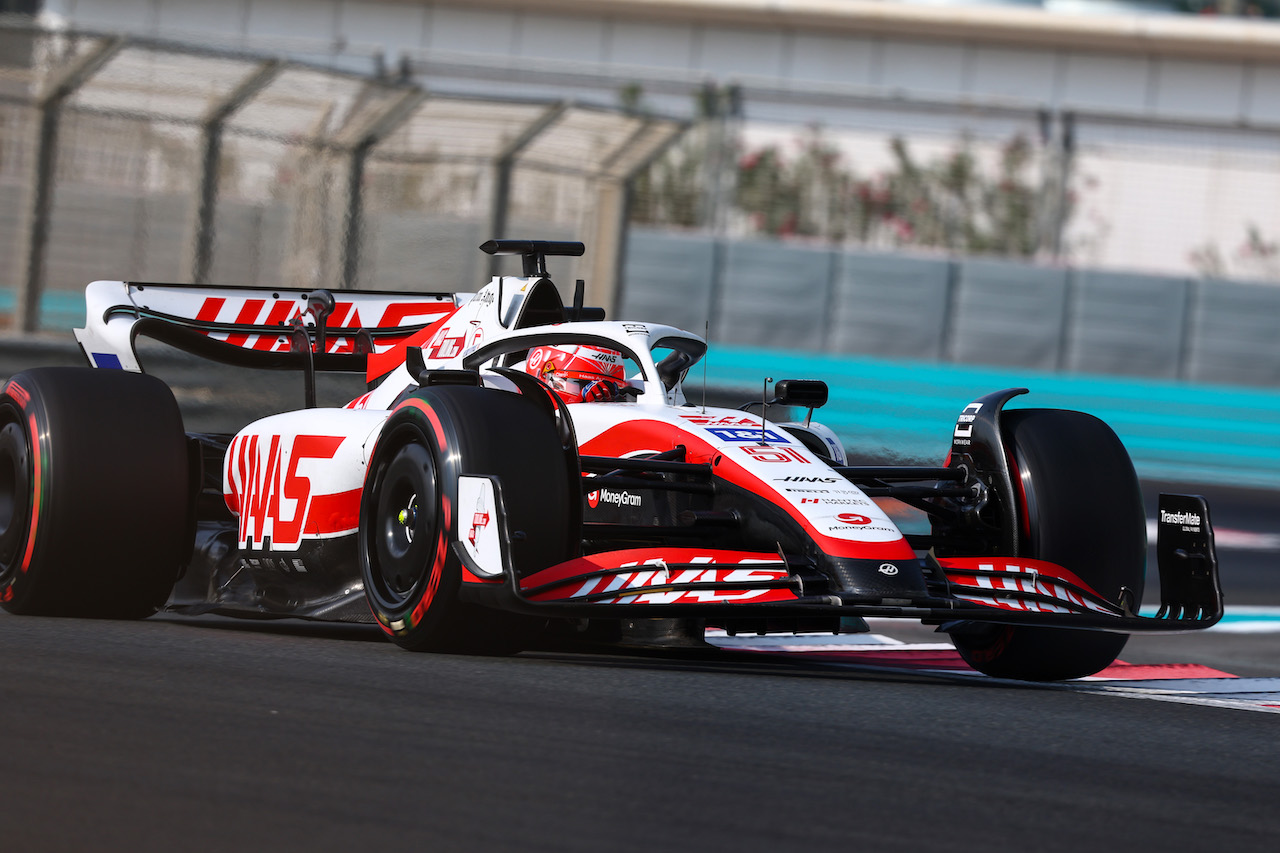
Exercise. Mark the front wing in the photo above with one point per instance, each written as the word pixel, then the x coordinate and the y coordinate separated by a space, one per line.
pixel 689 581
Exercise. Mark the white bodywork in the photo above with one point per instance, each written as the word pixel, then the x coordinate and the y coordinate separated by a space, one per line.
pixel 298 475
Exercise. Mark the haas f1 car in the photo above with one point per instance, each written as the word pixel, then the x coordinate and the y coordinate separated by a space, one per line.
pixel 518 464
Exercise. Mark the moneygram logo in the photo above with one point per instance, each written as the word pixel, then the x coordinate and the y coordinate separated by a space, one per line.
pixel 852 518
pixel 609 496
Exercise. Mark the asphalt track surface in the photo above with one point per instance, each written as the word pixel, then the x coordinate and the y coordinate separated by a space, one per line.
pixel 216 734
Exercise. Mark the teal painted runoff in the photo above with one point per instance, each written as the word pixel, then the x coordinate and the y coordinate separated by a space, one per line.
pixel 906 410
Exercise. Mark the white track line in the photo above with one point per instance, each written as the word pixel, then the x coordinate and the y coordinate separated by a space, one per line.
pixel 1246 694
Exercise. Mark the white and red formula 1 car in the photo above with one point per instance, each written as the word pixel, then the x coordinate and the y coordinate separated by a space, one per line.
pixel 465 504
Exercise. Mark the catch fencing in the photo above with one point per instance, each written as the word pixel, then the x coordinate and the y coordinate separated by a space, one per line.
pixel 126 157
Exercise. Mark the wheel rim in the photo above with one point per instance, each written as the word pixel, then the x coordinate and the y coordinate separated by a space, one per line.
pixel 404 527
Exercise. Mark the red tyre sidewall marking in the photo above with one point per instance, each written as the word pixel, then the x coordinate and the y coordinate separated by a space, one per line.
pixel 18 393
pixel 22 397
pixel 37 492
pixel 437 568
pixel 442 540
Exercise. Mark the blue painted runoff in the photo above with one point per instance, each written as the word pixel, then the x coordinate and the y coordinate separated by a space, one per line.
pixel 905 410
pixel 59 309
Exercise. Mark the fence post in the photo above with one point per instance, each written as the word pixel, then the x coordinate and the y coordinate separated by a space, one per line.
pixel 1186 347
pixel 949 314
pixel 1058 134
pixel 200 242
pixel 36 213
pixel 359 143
pixel 504 165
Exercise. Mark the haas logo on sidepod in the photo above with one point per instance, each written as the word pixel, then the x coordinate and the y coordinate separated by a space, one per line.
pixel 274 499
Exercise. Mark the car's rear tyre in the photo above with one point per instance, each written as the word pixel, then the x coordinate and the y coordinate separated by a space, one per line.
pixel 410 517
pixel 94 496
pixel 1080 506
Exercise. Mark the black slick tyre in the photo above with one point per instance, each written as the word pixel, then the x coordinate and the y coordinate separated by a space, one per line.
pixel 1080 506
pixel 94 493
pixel 409 515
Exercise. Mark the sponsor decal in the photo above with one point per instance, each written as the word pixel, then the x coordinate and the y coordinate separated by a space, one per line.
pixel 888 569
pixel 609 359
pixel 446 344
pixel 964 424
pixel 285 566
pixel 479 521
pixel 836 501
pixel 862 528
pixel 859 523
pixel 655 573
pixel 769 453
pixel 275 501
pixel 612 496
pixel 281 311
pixel 811 491
pixel 723 420
pixel 744 434
pixel 1189 521
pixel 807 479
pixel 481 541
pixel 1036 578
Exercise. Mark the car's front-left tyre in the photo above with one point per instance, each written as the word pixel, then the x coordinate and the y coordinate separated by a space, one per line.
pixel 410 514
pixel 94 493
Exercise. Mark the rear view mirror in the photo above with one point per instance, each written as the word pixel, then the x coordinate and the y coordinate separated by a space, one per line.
pixel 809 393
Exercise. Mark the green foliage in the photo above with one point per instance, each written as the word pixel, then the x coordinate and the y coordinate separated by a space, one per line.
pixel 1255 259
pixel 950 201
pixel 947 202
pixel 669 192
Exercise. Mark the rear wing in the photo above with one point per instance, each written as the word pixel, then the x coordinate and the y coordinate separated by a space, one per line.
pixel 279 328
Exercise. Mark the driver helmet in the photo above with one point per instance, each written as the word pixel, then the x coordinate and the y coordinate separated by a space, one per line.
pixel 579 373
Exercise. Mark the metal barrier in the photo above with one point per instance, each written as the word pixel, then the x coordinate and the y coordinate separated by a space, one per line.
pixel 974 311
